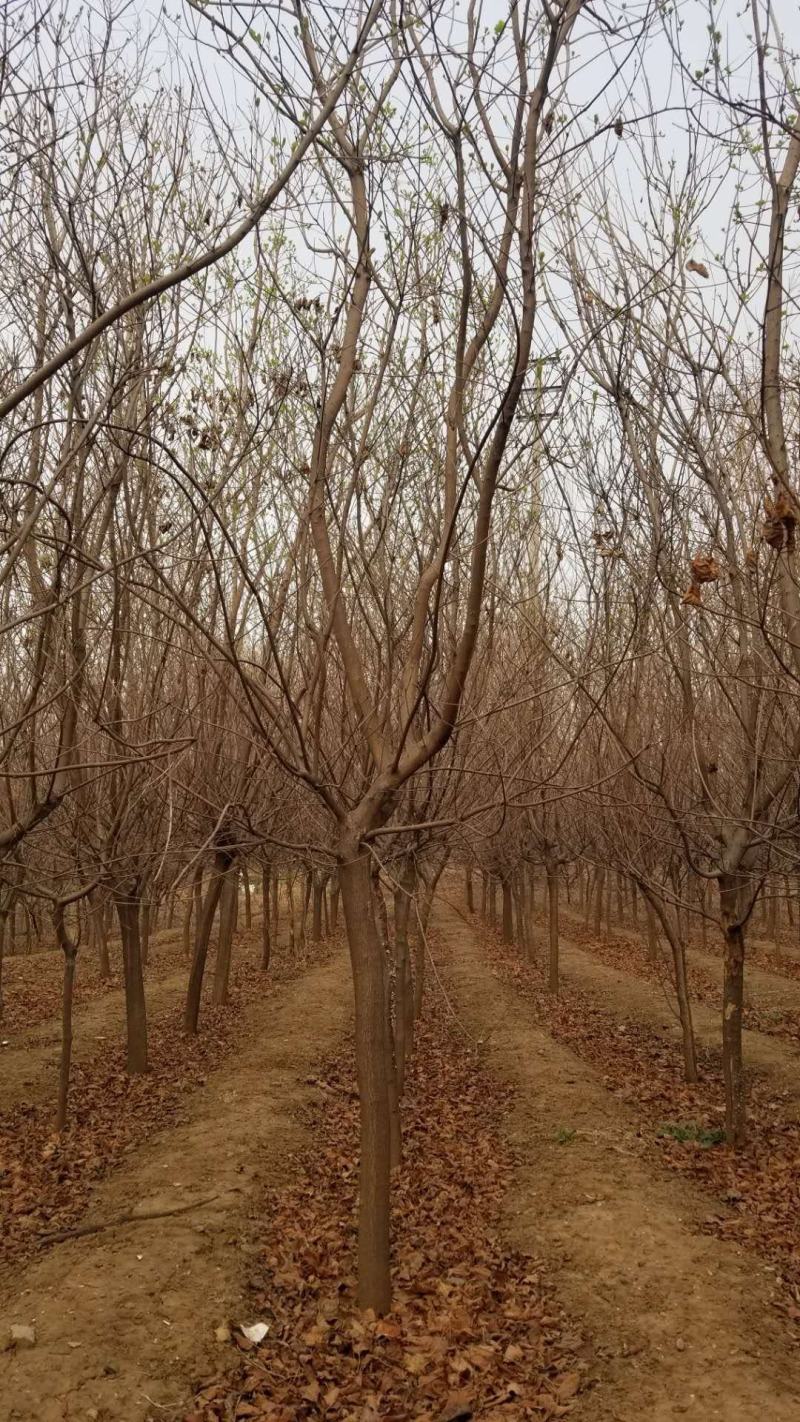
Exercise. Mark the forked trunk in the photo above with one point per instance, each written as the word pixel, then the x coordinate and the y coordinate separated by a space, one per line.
pixel 368 966
pixel 135 1009
pixel 671 925
pixel 202 939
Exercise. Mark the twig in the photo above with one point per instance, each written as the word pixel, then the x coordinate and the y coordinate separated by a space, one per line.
pixel 129 1218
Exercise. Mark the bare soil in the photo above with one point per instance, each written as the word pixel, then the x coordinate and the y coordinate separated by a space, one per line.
pixel 682 1322
pixel 125 1318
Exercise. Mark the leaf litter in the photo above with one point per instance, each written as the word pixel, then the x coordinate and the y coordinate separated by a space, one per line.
pixel 46 1179
pixel 474 1331
pixel 757 1189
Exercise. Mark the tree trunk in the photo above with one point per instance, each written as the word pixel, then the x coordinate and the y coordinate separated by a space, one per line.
pixel 404 1023
pixel 334 906
pixel 318 892
pixel 145 930
pixel 308 883
pixel 3 920
pixel 469 893
pixel 671 925
pixel 290 909
pixel 227 923
pixel 492 902
pixel 382 916
pixel 266 937
pixel 519 896
pixel 772 929
pixel 99 937
pixel 70 950
pixel 135 1009
pixel 732 1003
pixel 600 883
pixel 652 934
pixel 248 906
pixel 276 906
pixel 552 923
pixel 368 966
pixel 484 893
pixel 508 912
pixel 202 939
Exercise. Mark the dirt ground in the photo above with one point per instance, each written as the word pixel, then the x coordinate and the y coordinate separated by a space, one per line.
pixel 125 1318
pixel 682 1323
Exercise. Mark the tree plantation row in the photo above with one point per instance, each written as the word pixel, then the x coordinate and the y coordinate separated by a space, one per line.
pixel 400 414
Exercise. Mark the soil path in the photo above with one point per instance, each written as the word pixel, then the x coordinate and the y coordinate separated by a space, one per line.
pixel 125 1318
pixel 682 1321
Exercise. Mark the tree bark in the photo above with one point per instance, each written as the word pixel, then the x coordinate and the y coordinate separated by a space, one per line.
pixel 145 929
pixel 227 923
pixel 652 934
pixel 404 1023
pixel 135 1008
pixel 70 950
pixel 552 924
pixel 248 906
pixel 368 966
pixel 3 921
pixel 732 1003
pixel 202 939
pixel 600 883
pixel 508 912
pixel 318 892
pixel 266 937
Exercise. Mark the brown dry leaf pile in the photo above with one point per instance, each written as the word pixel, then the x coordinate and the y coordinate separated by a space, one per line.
pixel 757 1190
pixel 46 1180
pixel 474 1330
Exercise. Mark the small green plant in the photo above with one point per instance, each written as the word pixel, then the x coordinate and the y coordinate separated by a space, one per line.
pixel 565 1136
pixel 705 1136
